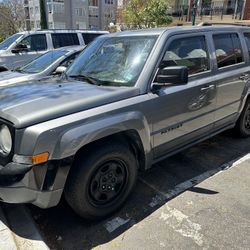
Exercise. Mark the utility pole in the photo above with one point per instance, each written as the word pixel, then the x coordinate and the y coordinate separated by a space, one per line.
pixel 235 9
pixel 43 22
pixel 195 6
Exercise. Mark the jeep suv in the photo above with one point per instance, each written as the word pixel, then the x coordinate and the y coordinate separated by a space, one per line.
pixel 129 100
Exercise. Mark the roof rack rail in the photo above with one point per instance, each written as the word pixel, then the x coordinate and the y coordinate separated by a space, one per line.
pixel 218 23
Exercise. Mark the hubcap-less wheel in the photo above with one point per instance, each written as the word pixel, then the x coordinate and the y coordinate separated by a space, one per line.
pixel 247 118
pixel 108 182
pixel 101 179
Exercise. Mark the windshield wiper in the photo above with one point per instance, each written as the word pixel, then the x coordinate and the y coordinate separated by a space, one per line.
pixel 89 79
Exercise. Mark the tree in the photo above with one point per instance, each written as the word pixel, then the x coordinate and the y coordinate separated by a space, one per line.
pixel 151 13
pixel 12 17
pixel 8 25
pixel 43 21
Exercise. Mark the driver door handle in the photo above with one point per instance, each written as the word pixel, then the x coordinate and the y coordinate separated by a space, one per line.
pixel 208 88
pixel 244 77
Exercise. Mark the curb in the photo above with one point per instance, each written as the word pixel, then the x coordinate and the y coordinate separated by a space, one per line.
pixel 6 237
pixel 22 228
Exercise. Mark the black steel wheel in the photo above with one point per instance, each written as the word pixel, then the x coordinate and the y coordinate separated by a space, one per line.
pixel 243 124
pixel 108 182
pixel 101 180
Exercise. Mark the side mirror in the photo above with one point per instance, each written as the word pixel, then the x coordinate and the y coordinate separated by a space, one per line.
pixel 59 70
pixel 20 48
pixel 172 75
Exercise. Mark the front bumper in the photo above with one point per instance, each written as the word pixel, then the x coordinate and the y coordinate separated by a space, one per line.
pixel 13 168
pixel 41 185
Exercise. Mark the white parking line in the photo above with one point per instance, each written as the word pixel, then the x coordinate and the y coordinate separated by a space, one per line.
pixel 181 224
pixel 163 196
pixel 115 223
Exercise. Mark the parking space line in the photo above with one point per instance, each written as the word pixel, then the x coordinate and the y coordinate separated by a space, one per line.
pixel 163 196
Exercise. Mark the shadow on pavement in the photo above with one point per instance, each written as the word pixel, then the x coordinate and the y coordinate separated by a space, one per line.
pixel 62 229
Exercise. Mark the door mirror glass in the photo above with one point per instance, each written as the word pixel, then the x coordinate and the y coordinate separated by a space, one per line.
pixel 172 75
pixel 20 48
pixel 59 70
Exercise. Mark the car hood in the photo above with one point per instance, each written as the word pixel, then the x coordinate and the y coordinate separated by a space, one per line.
pixel 11 77
pixel 34 102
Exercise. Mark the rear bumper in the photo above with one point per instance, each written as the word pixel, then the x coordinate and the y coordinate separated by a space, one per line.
pixel 41 185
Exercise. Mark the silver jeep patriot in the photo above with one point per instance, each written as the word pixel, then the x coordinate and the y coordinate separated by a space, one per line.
pixel 129 100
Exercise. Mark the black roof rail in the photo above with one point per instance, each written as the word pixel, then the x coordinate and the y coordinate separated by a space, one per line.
pixel 218 23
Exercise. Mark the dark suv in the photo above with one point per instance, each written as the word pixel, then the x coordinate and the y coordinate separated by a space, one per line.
pixel 129 100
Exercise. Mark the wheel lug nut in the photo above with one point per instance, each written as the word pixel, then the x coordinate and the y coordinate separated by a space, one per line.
pixel 103 187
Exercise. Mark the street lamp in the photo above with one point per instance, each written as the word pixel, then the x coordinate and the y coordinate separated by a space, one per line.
pixel 195 6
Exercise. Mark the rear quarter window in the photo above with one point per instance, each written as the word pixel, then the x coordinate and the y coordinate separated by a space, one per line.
pixel 247 39
pixel 64 39
pixel 89 37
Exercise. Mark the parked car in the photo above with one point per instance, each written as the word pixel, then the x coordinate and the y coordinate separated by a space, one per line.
pixel 128 101
pixel 23 47
pixel 54 62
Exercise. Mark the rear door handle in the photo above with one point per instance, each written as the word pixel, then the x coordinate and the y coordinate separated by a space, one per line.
pixel 244 77
pixel 207 88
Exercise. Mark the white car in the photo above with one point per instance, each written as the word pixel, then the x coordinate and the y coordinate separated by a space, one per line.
pixel 54 62
pixel 23 47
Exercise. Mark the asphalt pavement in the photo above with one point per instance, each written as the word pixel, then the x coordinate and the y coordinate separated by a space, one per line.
pixel 197 199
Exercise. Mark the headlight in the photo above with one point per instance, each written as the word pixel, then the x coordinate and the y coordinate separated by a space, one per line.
pixel 5 140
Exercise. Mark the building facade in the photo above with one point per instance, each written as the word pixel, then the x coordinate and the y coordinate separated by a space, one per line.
pixel 72 14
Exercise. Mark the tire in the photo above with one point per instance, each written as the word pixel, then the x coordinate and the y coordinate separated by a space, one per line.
pixel 242 127
pixel 101 180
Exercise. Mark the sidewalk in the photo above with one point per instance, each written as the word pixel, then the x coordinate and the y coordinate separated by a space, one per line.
pixel 212 215
pixel 18 230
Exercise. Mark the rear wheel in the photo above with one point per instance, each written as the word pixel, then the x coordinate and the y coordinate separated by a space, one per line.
pixel 243 124
pixel 100 182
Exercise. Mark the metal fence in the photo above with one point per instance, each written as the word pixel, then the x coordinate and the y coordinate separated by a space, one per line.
pixel 211 10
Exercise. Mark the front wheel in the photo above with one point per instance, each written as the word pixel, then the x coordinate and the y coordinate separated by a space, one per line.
pixel 100 182
pixel 243 124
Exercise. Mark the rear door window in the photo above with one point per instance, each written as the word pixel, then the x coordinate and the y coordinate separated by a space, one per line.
pixel 89 37
pixel 228 49
pixel 189 51
pixel 64 39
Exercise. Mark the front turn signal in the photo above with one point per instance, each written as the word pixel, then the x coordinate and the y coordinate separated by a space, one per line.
pixel 40 158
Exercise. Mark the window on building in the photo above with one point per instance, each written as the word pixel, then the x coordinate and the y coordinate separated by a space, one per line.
pixel 80 12
pixel 64 39
pixel 59 25
pixel 109 2
pixel 190 52
pixel 228 49
pixel 58 8
pixel 93 2
pixel 81 25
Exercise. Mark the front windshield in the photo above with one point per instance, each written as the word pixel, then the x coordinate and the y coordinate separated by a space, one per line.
pixel 42 62
pixel 7 42
pixel 114 61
